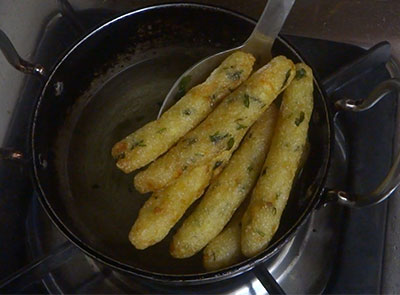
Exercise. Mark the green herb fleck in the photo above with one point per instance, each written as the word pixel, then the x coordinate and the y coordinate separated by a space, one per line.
pixel 216 137
pixel 141 143
pixel 190 140
pixel 250 168
pixel 246 100
pixel 260 232
pixel 300 74
pixel 299 119
pixel 273 211
pixel 277 195
pixel 242 189
pixel 235 75
pixel 161 130
pixel 217 164
pixel 182 86
pixel 256 99
pixel 199 155
pixel 137 143
pixel 184 167
pixel 240 125
pixel 230 143
pixel 187 112
pixel 286 79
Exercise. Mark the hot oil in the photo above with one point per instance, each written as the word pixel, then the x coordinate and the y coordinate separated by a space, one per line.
pixel 104 197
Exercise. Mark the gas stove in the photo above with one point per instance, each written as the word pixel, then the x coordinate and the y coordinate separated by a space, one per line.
pixel 337 251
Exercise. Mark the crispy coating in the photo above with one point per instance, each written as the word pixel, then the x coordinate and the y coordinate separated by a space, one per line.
pixel 164 208
pixel 228 191
pixel 270 195
pixel 224 250
pixel 226 125
pixel 155 138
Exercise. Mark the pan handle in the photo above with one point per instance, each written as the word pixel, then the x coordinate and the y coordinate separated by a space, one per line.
pixel 16 61
pixel 392 179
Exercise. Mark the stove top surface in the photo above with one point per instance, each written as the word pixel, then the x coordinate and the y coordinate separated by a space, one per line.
pixel 338 250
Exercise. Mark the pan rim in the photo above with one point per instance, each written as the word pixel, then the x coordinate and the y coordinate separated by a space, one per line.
pixel 178 279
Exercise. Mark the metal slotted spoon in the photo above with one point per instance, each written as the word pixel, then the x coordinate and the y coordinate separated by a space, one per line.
pixel 259 44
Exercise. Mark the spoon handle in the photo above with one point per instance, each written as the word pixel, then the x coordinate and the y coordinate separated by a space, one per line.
pixel 267 28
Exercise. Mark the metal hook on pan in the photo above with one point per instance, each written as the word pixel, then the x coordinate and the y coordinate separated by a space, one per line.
pixel 16 61
pixel 69 12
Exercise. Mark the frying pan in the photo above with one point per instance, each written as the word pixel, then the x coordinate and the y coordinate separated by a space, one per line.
pixel 112 82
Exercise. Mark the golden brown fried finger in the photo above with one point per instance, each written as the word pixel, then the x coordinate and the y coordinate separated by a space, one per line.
pixel 226 125
pixel 155 138
pixel 270 195
pixel 164 208
pixel 224 250
pixel 228 190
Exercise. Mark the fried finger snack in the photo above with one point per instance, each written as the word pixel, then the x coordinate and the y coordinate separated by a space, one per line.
pixel 228 190
pixel 224 250
pixel 270 195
